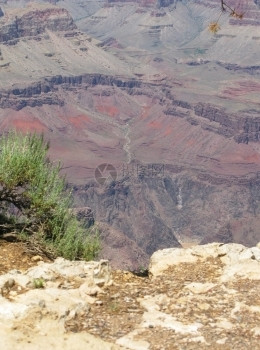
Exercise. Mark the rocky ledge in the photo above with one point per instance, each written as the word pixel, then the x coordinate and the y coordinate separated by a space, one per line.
pixel 204 296
pixel 33 20
pixel 45 92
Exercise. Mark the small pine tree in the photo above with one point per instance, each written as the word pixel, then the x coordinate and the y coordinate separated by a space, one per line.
pixel 35 201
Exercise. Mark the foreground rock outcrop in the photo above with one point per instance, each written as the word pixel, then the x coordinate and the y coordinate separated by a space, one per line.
pixel 204 296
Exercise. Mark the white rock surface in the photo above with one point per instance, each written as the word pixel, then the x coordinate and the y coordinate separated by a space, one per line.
pixel 238 259
pixel 35 320
pixel 49 335
pixel 200 288
pixel 201 297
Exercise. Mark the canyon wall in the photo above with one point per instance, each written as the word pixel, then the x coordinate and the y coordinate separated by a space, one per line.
pixel 34 22
pixel 142 88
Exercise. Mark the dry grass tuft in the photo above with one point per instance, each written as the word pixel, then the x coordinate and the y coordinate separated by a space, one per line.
pixel 214 27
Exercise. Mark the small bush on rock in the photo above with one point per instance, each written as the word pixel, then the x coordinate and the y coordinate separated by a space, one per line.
pixel 38 283
pixel 35 201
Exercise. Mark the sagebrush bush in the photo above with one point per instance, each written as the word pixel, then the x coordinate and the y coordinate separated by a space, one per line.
pixel 35 200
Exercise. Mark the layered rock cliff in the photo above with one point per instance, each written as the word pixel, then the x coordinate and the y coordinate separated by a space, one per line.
pixel 46 91
pixel 33 21
pixel 148 3
pixel 243 127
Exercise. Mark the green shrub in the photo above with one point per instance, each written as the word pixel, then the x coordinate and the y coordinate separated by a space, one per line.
pixel 38 283
pixel 35 201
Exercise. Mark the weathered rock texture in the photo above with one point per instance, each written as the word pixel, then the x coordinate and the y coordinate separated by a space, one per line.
pixel 34 21
pixel 68 289
pixel 204 296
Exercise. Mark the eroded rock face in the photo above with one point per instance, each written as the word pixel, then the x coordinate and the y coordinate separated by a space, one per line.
pixel 166 211
pixel 204 296
pixel 45 92
pixel 34 21
pixel 85 215
pixel 165 3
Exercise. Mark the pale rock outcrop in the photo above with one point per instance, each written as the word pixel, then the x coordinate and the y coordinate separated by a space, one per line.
pixel 33 318
pixel 236 258
pixel 58 279
pixel 50 335
pixel 203 297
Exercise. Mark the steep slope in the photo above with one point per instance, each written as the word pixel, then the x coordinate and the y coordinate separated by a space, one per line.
pixel 179 30
pixel 150 91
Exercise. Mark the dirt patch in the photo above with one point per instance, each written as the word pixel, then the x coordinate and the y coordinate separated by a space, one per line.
pixel 14 255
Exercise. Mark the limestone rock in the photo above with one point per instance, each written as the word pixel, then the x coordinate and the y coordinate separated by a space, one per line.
pixel 237 259
pixel 203 296
pixel 49 334
pixel 37 258
pixel 200 288
pixel 163 259
pixel 44 311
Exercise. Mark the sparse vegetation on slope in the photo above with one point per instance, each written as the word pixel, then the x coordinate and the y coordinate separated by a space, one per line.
pixel 214 27
pixel 35 202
